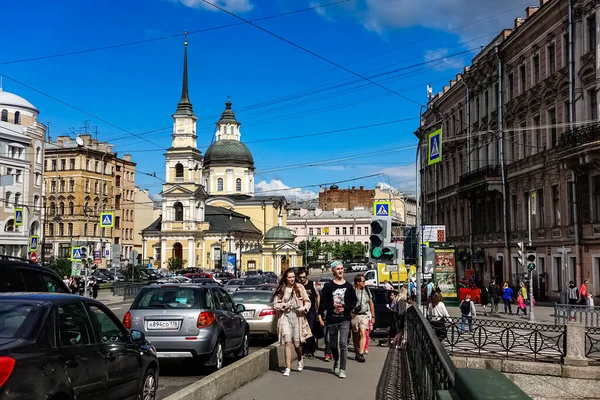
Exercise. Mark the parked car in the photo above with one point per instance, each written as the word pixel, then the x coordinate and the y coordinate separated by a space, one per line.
pixel 259 312
pixel 232 285
pixel 465 288
pixel 222 277
pixel 322 283
pixel 18 275
pixel 383 315
pixel 251 282
pixel 59 346
pixel 249 273
pixel 267 286
pixel 190 321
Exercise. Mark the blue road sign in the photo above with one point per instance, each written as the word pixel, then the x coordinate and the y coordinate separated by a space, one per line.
pixel 381 208
pixel 18 216
pixel 75 253
pixel 435 147
pixel 33 243
pixel 107 219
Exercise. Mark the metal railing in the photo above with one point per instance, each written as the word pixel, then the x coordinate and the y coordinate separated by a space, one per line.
pixel 127 290
pixel 430 365
pixel 587 315
pixel 394 381
pixel 592 345
pixel 501 339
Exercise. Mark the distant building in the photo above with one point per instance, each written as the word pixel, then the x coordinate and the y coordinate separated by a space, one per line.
pixel 146 211
pixel 331 226
pixel 21 168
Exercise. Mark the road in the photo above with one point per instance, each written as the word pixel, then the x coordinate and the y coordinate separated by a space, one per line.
pixel 174 375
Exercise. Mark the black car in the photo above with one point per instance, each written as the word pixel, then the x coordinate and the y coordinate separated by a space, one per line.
pixel 251 282
pixel 58 346
pixel 19 275
pixel 384 317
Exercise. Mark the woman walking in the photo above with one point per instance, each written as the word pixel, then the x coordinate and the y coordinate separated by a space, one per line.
pixel 437 314
pixel 507 297
pixel 402 301
pixel 292 303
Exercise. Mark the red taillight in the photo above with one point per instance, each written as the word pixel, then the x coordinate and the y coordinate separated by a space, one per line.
pixel 266 311
pixel 205 319
pixel 127 320
pixel 7 365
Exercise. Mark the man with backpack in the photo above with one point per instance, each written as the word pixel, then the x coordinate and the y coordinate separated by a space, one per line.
pixel 467 312
pixel 494 294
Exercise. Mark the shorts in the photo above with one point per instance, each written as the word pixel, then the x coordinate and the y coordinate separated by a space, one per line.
pixel 360 321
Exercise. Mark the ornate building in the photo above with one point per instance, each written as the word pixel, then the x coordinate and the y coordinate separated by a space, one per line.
pixel 210 213
pixel 511 151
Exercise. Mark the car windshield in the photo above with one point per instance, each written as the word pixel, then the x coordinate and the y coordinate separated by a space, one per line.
pixel 380 297
pixel 252 297
pixel 162 297
pixel 255 280
pixel 13 317
pixel 235 282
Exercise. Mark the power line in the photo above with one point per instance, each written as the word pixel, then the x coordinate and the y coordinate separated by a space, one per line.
pixel 114 46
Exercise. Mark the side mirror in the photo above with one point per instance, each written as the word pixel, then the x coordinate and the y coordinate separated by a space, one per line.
pixel 240 308
pixel 138 336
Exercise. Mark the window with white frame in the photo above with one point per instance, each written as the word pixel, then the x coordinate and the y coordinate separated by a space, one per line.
pixel 344 232
pixel 311 231
pixel 220 184
pixel 337 230
pixel 359 230
pixel 556 274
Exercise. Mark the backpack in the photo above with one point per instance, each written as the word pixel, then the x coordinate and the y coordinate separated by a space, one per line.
pixel 465 307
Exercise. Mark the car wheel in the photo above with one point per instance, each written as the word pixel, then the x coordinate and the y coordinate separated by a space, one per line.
pixel 149 387
pixel 245 347
pixel 217 360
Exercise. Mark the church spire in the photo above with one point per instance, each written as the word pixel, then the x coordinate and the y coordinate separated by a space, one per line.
pixel 184 107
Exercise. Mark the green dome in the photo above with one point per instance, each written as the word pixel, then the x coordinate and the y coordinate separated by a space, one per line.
pixel 279 233
pixel 228 152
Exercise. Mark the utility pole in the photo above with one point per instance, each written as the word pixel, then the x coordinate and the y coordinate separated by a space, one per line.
pixel 531 299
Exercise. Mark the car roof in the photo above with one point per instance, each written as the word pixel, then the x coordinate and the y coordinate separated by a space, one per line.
pixel 180 285
pixel 28 297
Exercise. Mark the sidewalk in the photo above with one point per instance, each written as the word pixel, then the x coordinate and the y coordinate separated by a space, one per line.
pixel 317 380
pixel 106 297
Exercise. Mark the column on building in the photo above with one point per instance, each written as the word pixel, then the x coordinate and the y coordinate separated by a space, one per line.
pixel 229 181
pixel 144 251
pixel 163 252
pixel 191 252
pixel 262 261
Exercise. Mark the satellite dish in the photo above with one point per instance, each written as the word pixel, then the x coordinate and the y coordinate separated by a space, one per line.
pixel 79 141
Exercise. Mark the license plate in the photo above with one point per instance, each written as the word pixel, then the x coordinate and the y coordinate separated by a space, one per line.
pixel 248 313
pixel 162 325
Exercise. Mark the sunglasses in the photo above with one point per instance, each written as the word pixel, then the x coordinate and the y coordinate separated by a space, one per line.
pixel 301 277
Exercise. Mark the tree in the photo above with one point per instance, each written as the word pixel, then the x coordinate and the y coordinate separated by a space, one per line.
pixel 175 264
pixel 62 266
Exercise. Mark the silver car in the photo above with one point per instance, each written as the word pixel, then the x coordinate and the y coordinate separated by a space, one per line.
pixel 232 285
pixel 189 321
pixel 259 312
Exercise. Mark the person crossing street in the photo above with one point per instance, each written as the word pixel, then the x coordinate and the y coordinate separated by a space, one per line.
pixel 360 317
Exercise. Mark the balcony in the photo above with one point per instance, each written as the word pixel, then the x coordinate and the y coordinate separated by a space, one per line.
pixel 476 183
pixel 578 136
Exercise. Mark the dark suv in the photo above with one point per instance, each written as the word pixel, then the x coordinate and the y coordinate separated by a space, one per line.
pixel 19 275
pixel 58 346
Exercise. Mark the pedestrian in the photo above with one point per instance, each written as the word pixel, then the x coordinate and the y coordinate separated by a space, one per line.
pixel 438 313
pixel 360 316
pixel 412 290
pixel 402 302
pixel 291 301
pixel 572 297
pixel 494 294
pixel 66 281
pixel 387 285
pixel 338 299
pixel 95 288
pixel 467 313
pixel 392 306
pixel 523 292
pixel 368 332
pixel 521 306
pixel 327 349
pixel 310 346
pixel 507 297
pixel 430 289
pixel 583 293
pixel 483 297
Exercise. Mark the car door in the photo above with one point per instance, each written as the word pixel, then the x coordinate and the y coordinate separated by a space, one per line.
pixel 79 351
pixel 239 322
pixel 224 315
pixel 123 360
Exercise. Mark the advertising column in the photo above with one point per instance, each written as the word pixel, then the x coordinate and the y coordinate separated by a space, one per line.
pixel 444 274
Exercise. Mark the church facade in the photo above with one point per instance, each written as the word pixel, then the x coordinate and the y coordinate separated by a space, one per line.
pixel 211 217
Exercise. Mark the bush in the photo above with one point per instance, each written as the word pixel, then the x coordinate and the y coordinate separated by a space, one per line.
pixel 62 266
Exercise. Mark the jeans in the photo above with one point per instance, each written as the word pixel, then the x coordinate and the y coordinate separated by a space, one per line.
pixel 326 338
pixel 507 304
pixel 338 338
pixel 310 345
pixel 463 319
pixel 494 303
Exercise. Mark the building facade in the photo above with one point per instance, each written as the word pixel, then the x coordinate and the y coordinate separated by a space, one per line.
pixel 21 167
pixel 146 212
pixel 84 177
pixel 515 146
pixel 331 226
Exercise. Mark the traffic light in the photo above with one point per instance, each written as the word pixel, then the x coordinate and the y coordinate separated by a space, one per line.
pixel 521 258
pixel 377 238
pixel 411 245
pixel 84 254
pixel 531 257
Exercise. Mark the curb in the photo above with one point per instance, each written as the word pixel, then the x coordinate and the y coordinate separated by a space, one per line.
pixel 228 379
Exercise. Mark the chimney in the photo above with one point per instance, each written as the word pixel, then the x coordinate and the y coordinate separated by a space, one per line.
pixel 452 82
pixel 446 88
pixel 127 157
pixel 518 22
pixel 530 10
pixel 542 2
pixel 458 77
pixel 361 187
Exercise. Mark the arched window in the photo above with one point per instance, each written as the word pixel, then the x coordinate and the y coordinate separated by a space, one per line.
pixel 238 185
pixel 10 226
pixel 7 200
pixel 84 229
pixel 178 207
pixel 36 202
pixel 220 184
pixel 69 229
pixel 95 207
pixel 17 118
pixel 35 226
pixel 50 229
pixel 231 129
pixel 71 208
pixel 61 229
pixel 38 155
pixel 52 209
pixel 4 116
pixel 179 171
pixel 17 199
pixel 61 208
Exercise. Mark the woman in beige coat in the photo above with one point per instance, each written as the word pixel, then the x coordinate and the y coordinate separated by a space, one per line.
pixel 292 303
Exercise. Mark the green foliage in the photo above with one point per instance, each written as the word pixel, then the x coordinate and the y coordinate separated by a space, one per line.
pixel 175 264
pixel 137 271
pixel 338 250
pixel 62 266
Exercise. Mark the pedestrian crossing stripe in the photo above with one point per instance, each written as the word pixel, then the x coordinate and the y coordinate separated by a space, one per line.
pixel 434 154
pixel 382 210
pixel 75 253
pixel 107 219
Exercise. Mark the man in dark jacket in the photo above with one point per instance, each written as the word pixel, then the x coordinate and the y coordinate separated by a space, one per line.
pixel 494 294
pixel 338 299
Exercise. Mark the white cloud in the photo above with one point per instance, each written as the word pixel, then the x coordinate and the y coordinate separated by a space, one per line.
pixel 278 188
pixel 384 15
pixel 234 6
pixel 443 62
pixel 155 197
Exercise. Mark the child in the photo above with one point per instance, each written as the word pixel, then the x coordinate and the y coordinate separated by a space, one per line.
pixel 590 299
pixel 367 333
pixel 521 304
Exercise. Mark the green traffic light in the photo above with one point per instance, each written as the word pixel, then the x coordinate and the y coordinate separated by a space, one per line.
pixel 376 252
pixel 531 266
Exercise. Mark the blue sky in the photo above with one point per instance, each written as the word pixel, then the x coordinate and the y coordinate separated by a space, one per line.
pixel 277 90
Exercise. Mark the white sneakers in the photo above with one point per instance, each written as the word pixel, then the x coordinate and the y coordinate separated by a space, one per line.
pixel 300 365
pixel 286 372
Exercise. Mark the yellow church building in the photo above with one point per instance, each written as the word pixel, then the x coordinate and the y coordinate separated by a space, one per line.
pixel 211 217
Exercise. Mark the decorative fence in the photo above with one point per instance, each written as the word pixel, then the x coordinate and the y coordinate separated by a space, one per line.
pixel 512 340
pixel 592 344
pixel 589 316
pixel 127 290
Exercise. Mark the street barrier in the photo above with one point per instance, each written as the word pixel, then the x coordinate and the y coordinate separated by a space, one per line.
pixel 127 290
pixel 587 315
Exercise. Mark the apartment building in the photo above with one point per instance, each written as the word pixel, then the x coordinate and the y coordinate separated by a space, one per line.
pixel 511 152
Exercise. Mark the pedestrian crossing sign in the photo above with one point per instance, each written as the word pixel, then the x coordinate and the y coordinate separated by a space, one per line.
pixel 75 253
pixel 18 216
pixel 381 208
pixel 33 243
pixel 434 151
pixel 107 220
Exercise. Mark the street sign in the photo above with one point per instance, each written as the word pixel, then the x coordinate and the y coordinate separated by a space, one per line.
pixel 434 153
pixel 18 216
pixel 33 243
pixel 76 254
pixel 313 239
pixel 75 268
pixel 97 256
pixel 107 220
pixel 382 208
pixel 310 253
pixel 33 257
pixel 433 233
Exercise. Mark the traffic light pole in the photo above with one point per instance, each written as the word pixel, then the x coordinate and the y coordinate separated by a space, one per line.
pixel 531 300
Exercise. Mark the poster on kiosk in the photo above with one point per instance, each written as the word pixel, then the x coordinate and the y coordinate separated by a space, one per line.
pixel 444 273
